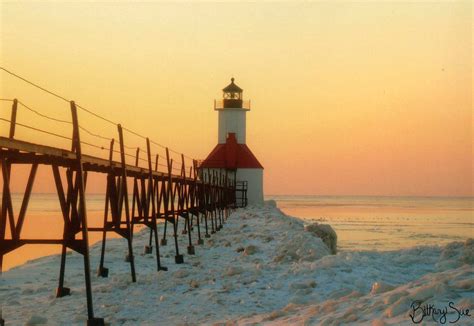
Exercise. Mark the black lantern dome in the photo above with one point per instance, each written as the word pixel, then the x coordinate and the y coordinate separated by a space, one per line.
pixel 232 95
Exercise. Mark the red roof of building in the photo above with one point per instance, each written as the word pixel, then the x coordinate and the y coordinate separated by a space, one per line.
pixel 231 155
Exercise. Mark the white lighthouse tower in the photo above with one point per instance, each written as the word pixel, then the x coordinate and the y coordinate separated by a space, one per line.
pixel 231 155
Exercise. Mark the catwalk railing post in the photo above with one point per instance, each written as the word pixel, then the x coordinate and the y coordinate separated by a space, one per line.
pixel 155 201
pixel 154 220
pixel 227 197
pixel 188 198
pixel 164 199
pixel 136 201
pixel 171 197
pixel 83 212
pixel 6 209
pixel 13 119
pixel 196 201
pixel 215 193
pixel 214 198
pixel 148 249
pixel 72 216
pixel 218 198
pixel 235 188
pixel 3 213
pixel 65 204
pixel 221 200
pixel 124 198
pixel 182 196
pixel 185 194
pixel 210 199
pixel 223 190
pixel 6 169
pixel 203 197
pixel 102 271
pixel 140 199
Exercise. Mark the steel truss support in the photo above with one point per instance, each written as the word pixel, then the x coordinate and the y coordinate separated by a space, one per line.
pixel 170 214
pixel 197 195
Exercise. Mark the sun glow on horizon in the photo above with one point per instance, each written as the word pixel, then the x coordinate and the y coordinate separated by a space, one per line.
pixel 347 98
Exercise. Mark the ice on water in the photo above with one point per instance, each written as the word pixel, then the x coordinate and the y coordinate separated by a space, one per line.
pixel 262 267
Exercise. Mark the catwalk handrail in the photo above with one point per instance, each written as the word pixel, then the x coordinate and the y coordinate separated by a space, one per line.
pixel 13 124
pixel 91 112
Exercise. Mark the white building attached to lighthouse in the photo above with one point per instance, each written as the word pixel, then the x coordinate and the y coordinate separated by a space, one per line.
pixel 232 156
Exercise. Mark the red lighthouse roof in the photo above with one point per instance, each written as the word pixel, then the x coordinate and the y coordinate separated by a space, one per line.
pixel 231 155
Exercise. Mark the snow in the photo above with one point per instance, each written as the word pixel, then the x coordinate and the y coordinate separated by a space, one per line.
pixel 262 267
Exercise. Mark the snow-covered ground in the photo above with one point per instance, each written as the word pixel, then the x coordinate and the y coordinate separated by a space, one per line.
pixel 262 267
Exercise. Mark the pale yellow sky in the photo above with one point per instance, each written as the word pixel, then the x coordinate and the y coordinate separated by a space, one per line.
pixel 347 98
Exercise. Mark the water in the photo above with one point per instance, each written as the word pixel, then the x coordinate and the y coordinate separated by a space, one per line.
pixel 44 221
pixel 386 223
pixel 48 203
pixel 362 223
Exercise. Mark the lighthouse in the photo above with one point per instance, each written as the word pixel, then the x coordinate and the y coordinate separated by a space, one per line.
pixel 231 156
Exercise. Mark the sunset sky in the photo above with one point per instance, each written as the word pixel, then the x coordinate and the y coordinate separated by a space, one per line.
pixel 347 98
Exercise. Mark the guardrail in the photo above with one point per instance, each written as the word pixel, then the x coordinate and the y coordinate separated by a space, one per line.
pixel 231 104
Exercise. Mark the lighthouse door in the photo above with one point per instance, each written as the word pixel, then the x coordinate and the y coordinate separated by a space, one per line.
pixel 241 193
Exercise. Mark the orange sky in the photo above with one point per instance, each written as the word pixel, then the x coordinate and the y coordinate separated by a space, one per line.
pixel 347 98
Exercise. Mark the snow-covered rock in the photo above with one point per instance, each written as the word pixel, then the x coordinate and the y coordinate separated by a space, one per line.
pixel 326 233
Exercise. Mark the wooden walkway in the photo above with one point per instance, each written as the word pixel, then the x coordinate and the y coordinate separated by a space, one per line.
pixel 182 192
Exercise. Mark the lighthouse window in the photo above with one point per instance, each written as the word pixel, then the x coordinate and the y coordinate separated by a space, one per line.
pixel 233 96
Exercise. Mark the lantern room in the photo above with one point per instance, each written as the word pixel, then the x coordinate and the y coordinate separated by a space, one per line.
pixel 232 98
pixel 232 95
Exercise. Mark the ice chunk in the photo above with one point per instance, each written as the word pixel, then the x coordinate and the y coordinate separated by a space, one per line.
pixel 37 320
pixel 380 287
pixel 326 233
pixel 250 250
